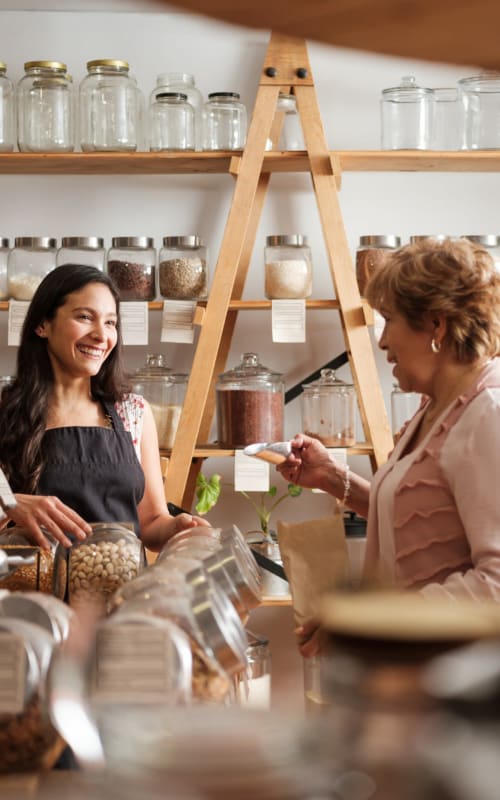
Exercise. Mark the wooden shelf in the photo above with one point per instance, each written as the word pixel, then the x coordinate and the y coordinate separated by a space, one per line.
pixel 214 451
pixel 171 163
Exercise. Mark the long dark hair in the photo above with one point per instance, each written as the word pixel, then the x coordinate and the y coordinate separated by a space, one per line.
pixel 24 404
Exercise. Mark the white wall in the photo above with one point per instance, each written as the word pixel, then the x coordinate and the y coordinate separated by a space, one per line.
pixel 226 58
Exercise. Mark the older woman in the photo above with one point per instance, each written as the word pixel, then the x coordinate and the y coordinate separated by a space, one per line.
pixel 433 509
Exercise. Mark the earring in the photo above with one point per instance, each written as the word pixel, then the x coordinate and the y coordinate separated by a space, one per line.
pixel 435 346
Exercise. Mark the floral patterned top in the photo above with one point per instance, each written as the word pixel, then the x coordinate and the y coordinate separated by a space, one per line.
pixel 131 412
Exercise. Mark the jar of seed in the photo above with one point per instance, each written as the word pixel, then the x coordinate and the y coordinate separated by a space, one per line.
pixel 132 266
pixel 288 267
pixel 183 268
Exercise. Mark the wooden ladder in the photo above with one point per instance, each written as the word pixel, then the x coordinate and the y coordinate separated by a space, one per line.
pixel 286 69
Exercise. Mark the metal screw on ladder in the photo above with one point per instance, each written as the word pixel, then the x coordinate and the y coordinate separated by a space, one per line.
pixel 301 72
pixel 271 72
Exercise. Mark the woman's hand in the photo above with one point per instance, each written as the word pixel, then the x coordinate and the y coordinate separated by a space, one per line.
pixel 309 463
pixel 184 521
pixel 36 512
pixel 311 638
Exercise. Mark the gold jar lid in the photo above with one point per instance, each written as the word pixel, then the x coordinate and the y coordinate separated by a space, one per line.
pixel 55 65
pixel 108 62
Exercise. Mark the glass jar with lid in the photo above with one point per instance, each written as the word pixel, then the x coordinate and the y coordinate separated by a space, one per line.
pixel 185 83
pixel 87 250
pixel 288 267
pixel 45 109
pixel 224 122
pixel 183 268
pixel 30 260
pixel 171 122
pixel 110 107
pixel 371 254
pixel 132 266
pixel 480 99
pixel 403 406
pixel 490 242
pixel 250 404
pixel 165 391
pixel 447 119
pixel 407 116
pixel 7 112
pixel 291 136
pixel 4 259
pixel 328 410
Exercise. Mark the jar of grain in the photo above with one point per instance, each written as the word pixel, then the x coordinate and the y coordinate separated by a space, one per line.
pixel 7 112
pixel 87 250
pixel 132 266
pixel 250 404
pixel 371 254
pixel 164 390
pixel 110 107
pixel 288 267
pixel 31 259
pixel 328 410
pixel 183 268
pixel 224 122
pixel 4 258
pixel 45 109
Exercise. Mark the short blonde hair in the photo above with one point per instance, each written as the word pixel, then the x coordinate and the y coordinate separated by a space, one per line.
pixel 456 279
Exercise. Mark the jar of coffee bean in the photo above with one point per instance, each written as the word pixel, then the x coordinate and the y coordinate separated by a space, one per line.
pixel 132 266
pixel 183 268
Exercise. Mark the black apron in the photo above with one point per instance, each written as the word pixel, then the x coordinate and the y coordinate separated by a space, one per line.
pixel 94 470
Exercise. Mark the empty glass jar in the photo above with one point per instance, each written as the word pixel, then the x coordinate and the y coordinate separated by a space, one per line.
pixel 288 267
pixel 110 107
pixel 403 407
pixel 291 136
pixel 480 97
pixel 164 391
pixel 185 83
pixel 328 410
pixel 132 266
pixel 82 250
pixel 171 122
pixel 447 119
pixel 7 113
pixel 31 259
pixel 183 268
pixel 45 109
pixel 407 116
pixel 224 122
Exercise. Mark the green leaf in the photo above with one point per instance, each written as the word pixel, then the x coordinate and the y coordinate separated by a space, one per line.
pixel 272 491
pixel 294 490
pixel 207 492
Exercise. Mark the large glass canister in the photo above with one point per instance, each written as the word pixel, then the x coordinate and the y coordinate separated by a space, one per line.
pixel 480 96
pixel 4 259
pixel 7 112
pixel 171 122
pixel 87 250
pixel 185 83
pixel 224 122
pixel 371 254
pixel 30 260
pixel 183 268
pixel 291 136
pixel 110 107
pixel 250 404
pixel 328 410
pixel 132 266
pixel 45 109
pixel 403 406
pixel 288 267
pixel 164 390
pixel 490 242
pixel 447 119
pixel 407 116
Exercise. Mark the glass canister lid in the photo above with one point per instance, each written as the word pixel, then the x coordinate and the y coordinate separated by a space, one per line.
pixel 290 240
pixel 484 239
pixel 407 91
pixel 328 382
pixel 154 367
pixel 84 242
pixel 375 240
pixel 250 371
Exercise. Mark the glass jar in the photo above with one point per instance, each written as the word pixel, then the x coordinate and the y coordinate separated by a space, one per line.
pixel 87 250
pixel 291 136
pixel 132 266
pixel 447 119
pixel 45 109
pixel 171 122
pixel 110 107
pixel 31 259
pixel 490 242
pixel 102 562
pixel 288 267
pixel 7 112
pixel 328 410
pixel 224 122
pixel 371 254
pixel 165 392
pixel 480 96
pixel 407 116
pixel 185 83
pixel 250 404
pixel 403 406
pixel 40 570
pixel 183 268
pixel 4 260
pixel 254 688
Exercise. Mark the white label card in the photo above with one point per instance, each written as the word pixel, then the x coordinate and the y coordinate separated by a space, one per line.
pixel 340 455
pixel 7 499
pixel 17 313
pixel 288 320
pixel 135 319
pixel 250 474
pixel 12 673
pixel 177 323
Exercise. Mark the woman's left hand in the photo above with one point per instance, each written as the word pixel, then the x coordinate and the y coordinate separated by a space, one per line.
pixel 184 521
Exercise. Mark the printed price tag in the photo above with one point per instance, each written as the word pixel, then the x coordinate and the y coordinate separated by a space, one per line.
pixel 135 321
pixel 250 474
pixel 7 498
pixel 288 320
pixel 17 313
pixel 177 323
pixel 13 666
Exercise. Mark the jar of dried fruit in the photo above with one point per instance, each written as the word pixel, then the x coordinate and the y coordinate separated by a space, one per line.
pixel 132 266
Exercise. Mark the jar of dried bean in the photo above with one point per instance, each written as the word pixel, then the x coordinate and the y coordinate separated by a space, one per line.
pixel 132 266
pixel 31 259
pixel 183 268
pixel 82 250
pixel 371 254
pixel 288 267
pixel 250 404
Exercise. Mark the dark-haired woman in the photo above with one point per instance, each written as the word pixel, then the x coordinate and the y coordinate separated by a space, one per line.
pixel 75 444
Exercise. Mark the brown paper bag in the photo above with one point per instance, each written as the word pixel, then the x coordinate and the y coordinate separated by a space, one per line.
pixel 315 559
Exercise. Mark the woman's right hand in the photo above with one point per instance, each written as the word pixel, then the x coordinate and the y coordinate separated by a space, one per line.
pixel 36 512
pixel 309 463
